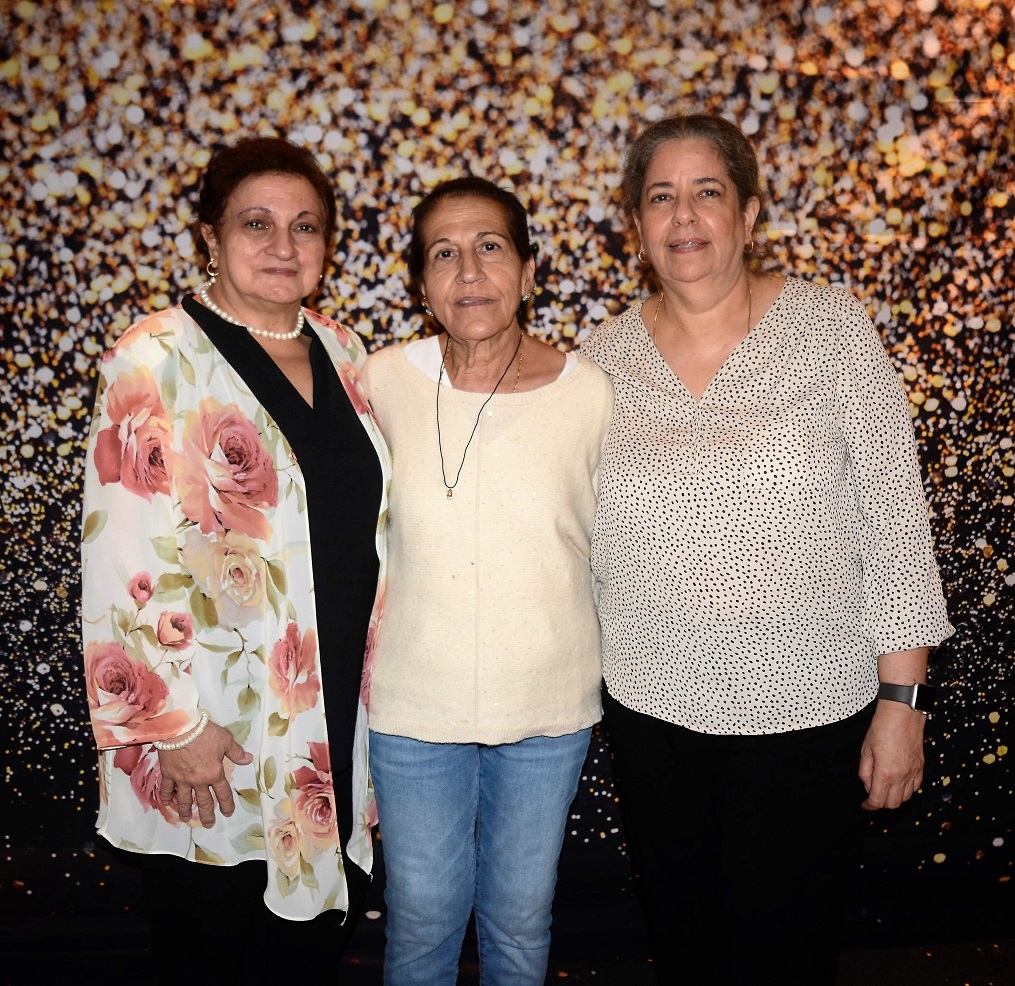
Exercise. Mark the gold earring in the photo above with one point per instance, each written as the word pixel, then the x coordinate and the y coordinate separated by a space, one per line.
pixel 212 273
pixel 641 259
pixel 750 249
pixel 426 307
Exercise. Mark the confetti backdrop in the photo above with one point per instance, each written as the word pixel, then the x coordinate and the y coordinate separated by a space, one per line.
pixel 886 132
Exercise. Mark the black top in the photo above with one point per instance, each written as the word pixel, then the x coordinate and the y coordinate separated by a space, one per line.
pixel 343 484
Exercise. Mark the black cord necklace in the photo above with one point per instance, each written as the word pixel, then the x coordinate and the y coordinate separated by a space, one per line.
pixel 449 487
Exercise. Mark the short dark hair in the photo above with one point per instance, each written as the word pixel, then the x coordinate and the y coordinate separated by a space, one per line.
pixel 466 187
pixel 248 158
pixel 730 144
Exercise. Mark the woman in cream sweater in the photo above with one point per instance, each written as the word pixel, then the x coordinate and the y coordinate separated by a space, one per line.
pixel 485 673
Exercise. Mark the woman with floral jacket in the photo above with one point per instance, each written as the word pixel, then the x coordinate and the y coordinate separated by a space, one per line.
pixel 235 481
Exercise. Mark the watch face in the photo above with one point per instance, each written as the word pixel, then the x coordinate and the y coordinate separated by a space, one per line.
pixel 924 698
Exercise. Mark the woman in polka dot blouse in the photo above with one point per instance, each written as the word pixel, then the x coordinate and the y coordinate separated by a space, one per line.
pixel 768 587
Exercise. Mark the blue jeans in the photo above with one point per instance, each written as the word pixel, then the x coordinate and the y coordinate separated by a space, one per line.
pixel 465 826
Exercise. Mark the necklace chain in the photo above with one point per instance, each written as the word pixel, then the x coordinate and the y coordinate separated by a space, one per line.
pixel 655 316
pixel 518 372
pixel 279 336
pixel 449 487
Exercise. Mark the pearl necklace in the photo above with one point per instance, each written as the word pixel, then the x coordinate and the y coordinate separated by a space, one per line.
pixel 279 336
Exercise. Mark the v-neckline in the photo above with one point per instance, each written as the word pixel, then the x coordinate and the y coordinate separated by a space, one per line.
pixel 239 348
pixel 751 334
pixel 318 384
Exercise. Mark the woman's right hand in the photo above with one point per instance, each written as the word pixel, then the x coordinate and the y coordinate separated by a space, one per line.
pixel 196 774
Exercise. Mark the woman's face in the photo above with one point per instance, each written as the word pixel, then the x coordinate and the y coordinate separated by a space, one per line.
pixel 269 247
pixel 690 221
pixel 473 279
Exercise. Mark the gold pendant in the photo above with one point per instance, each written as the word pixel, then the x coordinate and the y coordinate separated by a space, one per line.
pixel 449 494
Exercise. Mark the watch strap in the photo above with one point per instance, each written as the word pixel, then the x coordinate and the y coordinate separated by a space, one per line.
pixel 919 696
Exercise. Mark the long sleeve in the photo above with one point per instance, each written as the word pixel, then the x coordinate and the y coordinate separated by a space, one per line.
pixel 903 605
pixel 137 618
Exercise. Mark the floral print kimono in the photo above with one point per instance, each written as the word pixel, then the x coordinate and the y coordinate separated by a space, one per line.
pixel 197 594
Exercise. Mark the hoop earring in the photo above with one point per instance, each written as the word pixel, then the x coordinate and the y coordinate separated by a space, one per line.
pixel 426 308
pixel 750 249
pixel 641 259
pixel 212 273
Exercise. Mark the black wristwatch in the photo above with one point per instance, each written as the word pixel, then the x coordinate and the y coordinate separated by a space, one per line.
pixel 919 697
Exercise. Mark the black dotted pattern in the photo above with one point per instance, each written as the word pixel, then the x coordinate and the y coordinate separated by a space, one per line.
pixel 758 549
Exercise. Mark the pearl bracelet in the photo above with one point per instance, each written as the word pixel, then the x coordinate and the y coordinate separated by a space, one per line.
pixel 188 738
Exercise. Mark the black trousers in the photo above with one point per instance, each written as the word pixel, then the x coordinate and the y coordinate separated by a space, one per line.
pixel 209 924
pixel 743 846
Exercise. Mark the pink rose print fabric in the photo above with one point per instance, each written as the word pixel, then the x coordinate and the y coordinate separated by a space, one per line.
pixel 128 700
pixel 226 476
pixel 313 799
pixel 292 668
pixel 371 647
pixel 198 595
pixel 284 841
pixel 350 380
pixel 231 573
pixel 140 588
pixel 141 765
pixel 130 449
pixel 175 631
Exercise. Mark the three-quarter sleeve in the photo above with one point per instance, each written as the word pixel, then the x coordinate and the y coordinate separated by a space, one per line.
pixel 903 604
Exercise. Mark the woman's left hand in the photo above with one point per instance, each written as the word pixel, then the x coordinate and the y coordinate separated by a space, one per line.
pixel 195 774
pixel 891 758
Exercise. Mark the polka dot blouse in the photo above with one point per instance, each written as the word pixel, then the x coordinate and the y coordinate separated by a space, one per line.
pixel 757 550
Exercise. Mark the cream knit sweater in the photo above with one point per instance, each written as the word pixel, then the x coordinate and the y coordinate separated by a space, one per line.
pixel 489 633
